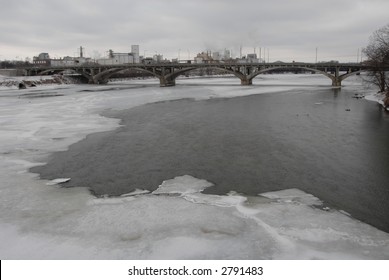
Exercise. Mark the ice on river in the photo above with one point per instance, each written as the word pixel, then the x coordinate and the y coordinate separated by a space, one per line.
pixel 177 221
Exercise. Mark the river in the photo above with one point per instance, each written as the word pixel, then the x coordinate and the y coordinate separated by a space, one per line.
pixel 319 140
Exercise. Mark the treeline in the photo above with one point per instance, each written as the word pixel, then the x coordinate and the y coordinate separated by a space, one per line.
pixel 13 64
pixel 377 54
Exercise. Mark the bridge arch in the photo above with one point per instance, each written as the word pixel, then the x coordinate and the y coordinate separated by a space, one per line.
pixel 175 74
pixel 256 73
pixel 336 79
pixel 345 76
pixel 103 76
pixel 46 72
pixel 246 79
pixel 166 79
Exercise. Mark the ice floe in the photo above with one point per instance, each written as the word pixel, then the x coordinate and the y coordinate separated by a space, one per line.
pixel 58 181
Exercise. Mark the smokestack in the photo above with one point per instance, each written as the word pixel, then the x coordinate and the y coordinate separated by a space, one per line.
pixel 81 53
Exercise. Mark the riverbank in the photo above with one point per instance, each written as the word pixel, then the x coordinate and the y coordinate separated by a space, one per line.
pixel 31 81
pixel 380 98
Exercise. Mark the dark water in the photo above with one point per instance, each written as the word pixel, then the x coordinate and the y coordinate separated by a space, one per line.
pixel 324 142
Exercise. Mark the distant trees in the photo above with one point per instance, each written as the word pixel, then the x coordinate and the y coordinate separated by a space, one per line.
pixel 13 64
pixel 377 53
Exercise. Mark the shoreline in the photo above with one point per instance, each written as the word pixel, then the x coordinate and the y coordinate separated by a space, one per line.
pixel 32 81
pixel 379 98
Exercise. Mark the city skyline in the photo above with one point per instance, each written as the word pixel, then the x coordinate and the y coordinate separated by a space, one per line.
pixel 286 30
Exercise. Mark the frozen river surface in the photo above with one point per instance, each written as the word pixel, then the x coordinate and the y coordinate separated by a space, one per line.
pixel 176 220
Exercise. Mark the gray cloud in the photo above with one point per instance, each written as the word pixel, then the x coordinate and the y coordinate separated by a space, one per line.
pixel 289 29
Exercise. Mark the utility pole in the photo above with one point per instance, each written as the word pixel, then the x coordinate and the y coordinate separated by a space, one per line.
pixel 316 56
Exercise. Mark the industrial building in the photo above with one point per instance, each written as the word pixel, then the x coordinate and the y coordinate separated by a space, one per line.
pixel 121 58
pixel 43 59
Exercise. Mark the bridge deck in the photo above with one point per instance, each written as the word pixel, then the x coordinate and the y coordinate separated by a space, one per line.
pixel 168 72
pixel 202 65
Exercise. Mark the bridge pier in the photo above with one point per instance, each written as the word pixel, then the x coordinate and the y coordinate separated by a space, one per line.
pixel 164 82
pixel 94 81
pixel 336 82
pixel 246 81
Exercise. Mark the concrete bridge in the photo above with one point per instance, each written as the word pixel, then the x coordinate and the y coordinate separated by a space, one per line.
pixel 168 72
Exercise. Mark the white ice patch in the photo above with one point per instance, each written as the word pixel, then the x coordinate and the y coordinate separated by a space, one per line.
pixel 190 188
pixel 58 181
pixel 293 196
pixel 216 200
pixel 136 192
pixel 182 185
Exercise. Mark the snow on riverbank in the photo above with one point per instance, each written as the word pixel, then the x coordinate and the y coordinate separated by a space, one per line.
pixel 377 97
pixel 33 81
pixel 40 221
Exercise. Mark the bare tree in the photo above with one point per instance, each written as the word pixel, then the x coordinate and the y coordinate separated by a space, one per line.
pixel 377 53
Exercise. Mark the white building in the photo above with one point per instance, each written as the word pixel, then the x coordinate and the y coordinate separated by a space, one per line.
pixel 158 58
pixel 216 56
pixel 252 58
pixel 117 58
pixel 135 53
pixel 203 57
pixel 227 55
pixel 66 61
pixel 121 58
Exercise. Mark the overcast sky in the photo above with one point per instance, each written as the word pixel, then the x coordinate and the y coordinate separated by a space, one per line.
pixel 287 29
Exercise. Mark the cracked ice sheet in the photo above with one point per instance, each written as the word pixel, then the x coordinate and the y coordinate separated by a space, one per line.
pixel 173 227
pixel 49 222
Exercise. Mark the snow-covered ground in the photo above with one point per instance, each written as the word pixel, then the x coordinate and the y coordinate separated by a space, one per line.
pixel 377 97
pixel 42 221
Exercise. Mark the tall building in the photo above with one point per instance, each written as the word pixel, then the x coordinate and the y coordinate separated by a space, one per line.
pixel 135 53
pixel 227 54
pixel 216 56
